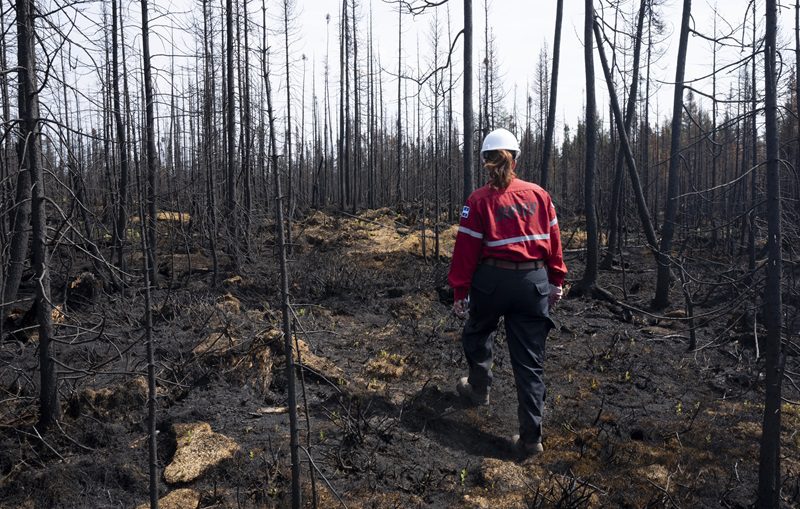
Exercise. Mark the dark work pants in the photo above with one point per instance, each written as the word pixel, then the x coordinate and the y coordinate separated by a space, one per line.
pixel 521 297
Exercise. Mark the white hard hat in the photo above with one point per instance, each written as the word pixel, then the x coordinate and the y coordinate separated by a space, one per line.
pixel 500 139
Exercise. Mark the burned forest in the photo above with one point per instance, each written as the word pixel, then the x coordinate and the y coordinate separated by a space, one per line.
pixel 226 230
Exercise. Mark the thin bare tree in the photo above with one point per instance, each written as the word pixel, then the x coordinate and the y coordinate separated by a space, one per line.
pixel 625 152
pixel 588 281
pixel 544 166
pixel 149 247
pixel 30 156
pixel 399 135
pixel 294 437
pixel 469 127
pixel 122 148
pixel 769 471
pixel 287 8
pixel 664 274
pixel 231 215
pixel 21 208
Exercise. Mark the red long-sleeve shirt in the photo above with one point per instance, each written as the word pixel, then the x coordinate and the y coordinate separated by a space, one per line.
pixel 517 224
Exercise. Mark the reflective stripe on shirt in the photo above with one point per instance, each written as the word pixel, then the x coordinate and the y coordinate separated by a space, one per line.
pixel 514 240
pixel 553 222
pixel 471 233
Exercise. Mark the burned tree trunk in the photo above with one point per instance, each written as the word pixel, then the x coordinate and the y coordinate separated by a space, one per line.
pixel 589 279
pixel 209 140
pixel 625 153
pixel 664 275
pixel 468 120
pixel 20 234
pixel 149 247
pixel 20 210
pixel 122 198
pixel 289 159
pixel 151 154
pixel 30 158
pixel 769 472
pixel 230 110
pixel 294 438
pixel 399 190
pixel 544 169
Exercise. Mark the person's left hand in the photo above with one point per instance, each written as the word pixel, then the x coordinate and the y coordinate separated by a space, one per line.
pixel 460 308
pixel 556 292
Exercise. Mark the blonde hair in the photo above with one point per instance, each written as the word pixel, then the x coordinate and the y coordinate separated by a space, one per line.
pixel 500 164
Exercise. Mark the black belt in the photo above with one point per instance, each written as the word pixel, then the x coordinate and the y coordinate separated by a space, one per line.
pixel 505 264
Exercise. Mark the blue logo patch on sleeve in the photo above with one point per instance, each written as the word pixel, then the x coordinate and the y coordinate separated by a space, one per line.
pixel 465 212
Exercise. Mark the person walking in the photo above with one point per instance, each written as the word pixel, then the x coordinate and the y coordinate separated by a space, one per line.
pixel 507 262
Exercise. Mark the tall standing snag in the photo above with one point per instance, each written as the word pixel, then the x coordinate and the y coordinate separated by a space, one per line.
pixel 6 156
pixel 149 246
pixel 589 279
pixel 150 145
pixel 664 274
pixel 230 110
pixel 399 190
pixel 287 8
pixel 769 472
pixel 544 169
pixel 294 437
pixel 30 157
pixel 209 140
pixel 343 158
pixel 122 199
pixel 625 152
pixel 625 147
pixel 21 208
pixel 797 94
pixel 468 120
pixel 247 134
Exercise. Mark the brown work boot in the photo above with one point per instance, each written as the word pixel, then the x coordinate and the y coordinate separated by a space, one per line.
pixel 526 449
pixel 467 392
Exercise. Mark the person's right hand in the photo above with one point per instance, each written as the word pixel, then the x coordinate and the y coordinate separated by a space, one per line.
pixel 556 292
pixel 460 308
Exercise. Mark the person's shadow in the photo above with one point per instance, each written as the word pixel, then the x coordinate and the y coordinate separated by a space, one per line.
pixel 443 417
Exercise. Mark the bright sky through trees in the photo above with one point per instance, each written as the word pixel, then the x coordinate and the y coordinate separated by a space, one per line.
pixel 522 27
